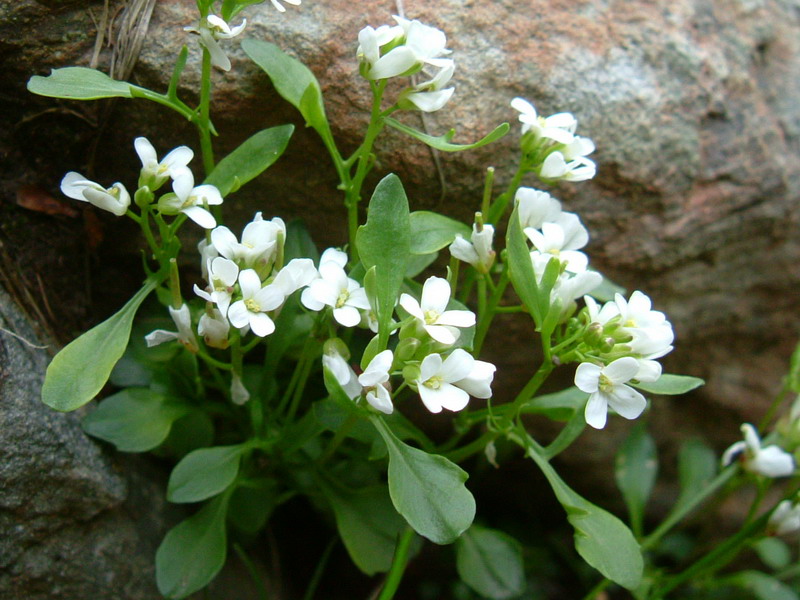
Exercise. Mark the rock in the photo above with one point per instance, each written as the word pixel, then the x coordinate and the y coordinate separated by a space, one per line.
pixel 690 103
pixel 73 524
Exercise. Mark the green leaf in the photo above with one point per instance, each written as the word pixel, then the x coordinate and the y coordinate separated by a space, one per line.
pixel 601 539
pixel 433 231
pixel 697 466
pixel 252 506
pixel 204 473
pixel 231 8
pixel 418 263
pixel 193 552
pixel 520 268
pixel 559 406
pixel 427 489
pixel 250 159
pixel 384 242
pixel 443 142
pixel 298 242
pixel 79 83
pixel 81 369
pixel 134 420
pixel 490 562
pixel 773 552
pixel 294 82
pixel 671 385
pixel 368 524
pixel 635 471
pixel 763 586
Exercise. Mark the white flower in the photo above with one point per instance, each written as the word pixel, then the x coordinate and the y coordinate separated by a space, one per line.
pixel 601 316
pixel 207 252
pixel 190 200
pixel 155 173
pixel 784 519
pixel 448 383
pixel 557 166
pixel 651 332
pixel 115 199
pixel 536 208
pixel 770 461
pixel 183 321
pixel 256 301
pixel 569 287
pixel 213 327
pixel 431 95
pixel 221 30
pixel 561 242
pixel 374 378
pixel 422 45
pixel 222 276
pixel 606 386
pixel 559 127
pixel 279 7
pixel 335 289
pixel 258 246
pixel 432 311
pixel 215 29
pixel 297 273
pixel 478 251
pixel 343 373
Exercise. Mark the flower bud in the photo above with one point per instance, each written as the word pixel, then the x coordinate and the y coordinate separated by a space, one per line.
pixel 411 373
pixel 406 349
pixel 143 197
pixel 336 346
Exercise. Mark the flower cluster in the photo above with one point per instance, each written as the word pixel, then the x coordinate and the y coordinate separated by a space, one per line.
pixel 186 198
pixel 426 357
pixel 406 49
pixel 556 235
pixel 551 147
pixel 623 339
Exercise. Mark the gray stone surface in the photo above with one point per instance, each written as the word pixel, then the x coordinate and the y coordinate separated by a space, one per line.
pixel 72 523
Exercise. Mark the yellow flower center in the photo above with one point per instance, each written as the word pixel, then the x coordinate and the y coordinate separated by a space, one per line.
pixel 342 299
pixel 252 305
pixel 434 382
pixel 431 316
pixel 605 384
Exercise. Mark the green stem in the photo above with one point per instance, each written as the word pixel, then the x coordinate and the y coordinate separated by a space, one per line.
pixel 204 126
pixel 498 209
pixel 595 591
pixel 572 430
pixel 213 361
pixel 717 558
pixel 487 315
pixel 677 516
pixel 321 564
pixel 252 571
pixel 399 563
pixel 340 436
pixel 353 191
pixel 473 447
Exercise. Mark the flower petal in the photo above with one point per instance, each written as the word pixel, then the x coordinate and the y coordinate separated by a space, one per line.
pixel 596 410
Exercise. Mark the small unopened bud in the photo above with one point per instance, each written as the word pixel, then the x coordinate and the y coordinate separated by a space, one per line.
pixel 143 197
pixel 594 335
pixel 607 345
pixel 491 454
pixel 406 349
pixel 411 373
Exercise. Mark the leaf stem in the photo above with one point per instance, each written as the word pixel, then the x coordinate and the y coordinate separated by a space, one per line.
pixel 399 563
pixel 203 125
